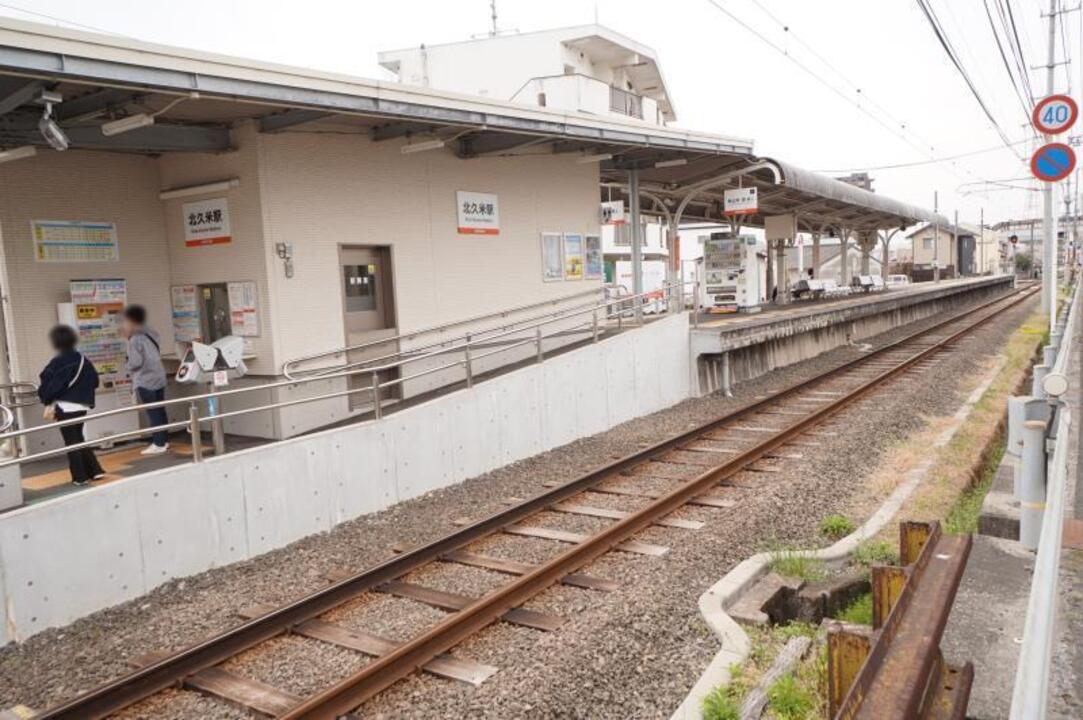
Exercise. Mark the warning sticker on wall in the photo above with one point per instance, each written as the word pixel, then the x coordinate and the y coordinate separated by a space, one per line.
pixel 207 223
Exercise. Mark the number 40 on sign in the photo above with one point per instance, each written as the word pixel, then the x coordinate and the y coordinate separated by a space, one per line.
pixel 1055 114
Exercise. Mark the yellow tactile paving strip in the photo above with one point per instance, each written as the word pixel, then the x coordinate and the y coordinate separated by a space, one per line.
pixel 116 464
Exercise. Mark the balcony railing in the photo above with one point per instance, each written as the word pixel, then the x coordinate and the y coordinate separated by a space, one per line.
pixel 625 103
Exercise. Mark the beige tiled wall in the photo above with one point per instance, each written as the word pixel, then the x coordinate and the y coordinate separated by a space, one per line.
pixel 247 257
pixel 77 185
pixel 316 191
pixel 321 191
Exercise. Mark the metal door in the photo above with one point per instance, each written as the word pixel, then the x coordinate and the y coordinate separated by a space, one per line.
pixel 368 314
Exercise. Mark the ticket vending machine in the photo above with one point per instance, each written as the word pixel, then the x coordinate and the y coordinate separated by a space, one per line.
pixel 731 274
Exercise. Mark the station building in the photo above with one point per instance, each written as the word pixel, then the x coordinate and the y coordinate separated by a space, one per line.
pixel 308 211
pixel 334 222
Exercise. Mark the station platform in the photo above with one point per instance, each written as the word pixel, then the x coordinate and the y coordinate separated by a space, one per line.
pixel 49 478
pixel 735 347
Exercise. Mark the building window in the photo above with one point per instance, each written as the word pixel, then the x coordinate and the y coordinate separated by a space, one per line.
pixel 541 99
pixel 927 243
pixel 622 235
pixel 625 103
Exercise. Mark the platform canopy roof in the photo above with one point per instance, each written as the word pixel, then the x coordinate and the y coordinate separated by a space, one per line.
pixel 197 98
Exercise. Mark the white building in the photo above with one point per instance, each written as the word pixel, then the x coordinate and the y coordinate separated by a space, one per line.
pixel 588 68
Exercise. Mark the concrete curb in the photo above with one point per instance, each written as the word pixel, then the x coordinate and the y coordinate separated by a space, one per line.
pixel 720 596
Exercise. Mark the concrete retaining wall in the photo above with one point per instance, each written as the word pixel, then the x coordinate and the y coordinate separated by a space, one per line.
pixel 66 558
pixel 759 347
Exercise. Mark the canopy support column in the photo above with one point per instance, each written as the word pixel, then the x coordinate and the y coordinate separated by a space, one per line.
pixel 637 243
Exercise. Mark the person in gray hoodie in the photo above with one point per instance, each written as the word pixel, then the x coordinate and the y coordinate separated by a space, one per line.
pixel 147 372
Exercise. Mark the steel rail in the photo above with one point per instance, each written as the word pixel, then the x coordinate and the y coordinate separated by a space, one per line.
pixel 166 672
pixel 899 677
pixel 383 672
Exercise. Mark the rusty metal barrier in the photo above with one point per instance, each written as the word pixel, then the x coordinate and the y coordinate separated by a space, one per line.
pixel 895 669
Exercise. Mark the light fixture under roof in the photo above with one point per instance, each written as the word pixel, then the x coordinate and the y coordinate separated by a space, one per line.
pixel 422 146
pixel 125 124
pixel 595 158
pixel 18 153
pixel 140 120
pixel 676 162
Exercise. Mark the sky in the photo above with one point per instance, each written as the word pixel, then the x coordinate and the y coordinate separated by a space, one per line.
pixel 831 85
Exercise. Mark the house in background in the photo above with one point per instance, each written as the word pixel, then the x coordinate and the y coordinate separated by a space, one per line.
pixel 959 251
pixel 586 68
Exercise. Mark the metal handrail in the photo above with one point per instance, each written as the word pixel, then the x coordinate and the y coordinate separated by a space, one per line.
pixel 22 393
pixel 597 313
pixel 1030 694
pixel 288 367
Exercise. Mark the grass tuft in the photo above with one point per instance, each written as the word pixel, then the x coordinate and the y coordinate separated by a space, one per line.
pixel 720 704
pixel 875 552
pixel 834 527
pixel 798 564
pixel 787 699
pixel 859 612
pixel 963 516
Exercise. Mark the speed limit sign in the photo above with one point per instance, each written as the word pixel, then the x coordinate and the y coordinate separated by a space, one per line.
pixel 1055 114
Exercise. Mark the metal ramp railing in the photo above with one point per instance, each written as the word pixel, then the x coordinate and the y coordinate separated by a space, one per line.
pixel 437 336
pixel 589 319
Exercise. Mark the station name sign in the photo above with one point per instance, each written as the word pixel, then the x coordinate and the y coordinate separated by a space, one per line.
pixel 206 222
pixel 740 201
pixel 479 213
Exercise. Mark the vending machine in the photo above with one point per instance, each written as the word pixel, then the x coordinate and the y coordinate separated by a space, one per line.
pixel 731 274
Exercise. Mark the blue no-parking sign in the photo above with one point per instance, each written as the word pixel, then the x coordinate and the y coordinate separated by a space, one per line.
pixel 1052 162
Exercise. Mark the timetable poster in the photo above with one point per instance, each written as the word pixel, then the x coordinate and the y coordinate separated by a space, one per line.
pixel 99 306
pixel 185 313
pixel 74 241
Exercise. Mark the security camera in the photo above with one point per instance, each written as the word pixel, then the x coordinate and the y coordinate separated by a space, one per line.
pixel 51 131
pixel 53 134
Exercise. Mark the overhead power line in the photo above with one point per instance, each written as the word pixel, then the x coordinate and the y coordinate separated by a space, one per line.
pixel 918 163
pixel 859 99
pixel 1021 86
pixel 60 20
pixel 945 43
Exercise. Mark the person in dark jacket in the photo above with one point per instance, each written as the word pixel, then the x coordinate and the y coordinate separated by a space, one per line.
pixel 66 389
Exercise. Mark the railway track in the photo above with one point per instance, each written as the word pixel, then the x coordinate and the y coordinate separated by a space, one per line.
pixel 746 443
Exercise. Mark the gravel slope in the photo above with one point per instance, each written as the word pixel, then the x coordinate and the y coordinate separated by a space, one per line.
pixel 627 654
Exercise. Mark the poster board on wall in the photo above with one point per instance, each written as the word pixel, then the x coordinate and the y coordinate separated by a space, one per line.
pixel 98 306
pixel 573 256
pixel 594 267
pixel 552 247
pixel 243 309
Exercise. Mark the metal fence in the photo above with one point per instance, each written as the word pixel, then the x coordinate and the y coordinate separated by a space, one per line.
pixel 1044 476
pixel 591 320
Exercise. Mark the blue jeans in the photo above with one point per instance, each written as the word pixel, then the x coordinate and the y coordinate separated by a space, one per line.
pixel 155 416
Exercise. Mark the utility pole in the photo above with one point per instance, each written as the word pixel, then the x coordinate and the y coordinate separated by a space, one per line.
pixel 492 9
pixel 1049 236
pixel 956 256
pixel 936 236
pixel 981 235
pixel 1033 260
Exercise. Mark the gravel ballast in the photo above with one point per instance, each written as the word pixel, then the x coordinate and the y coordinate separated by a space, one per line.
pixel 632 653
